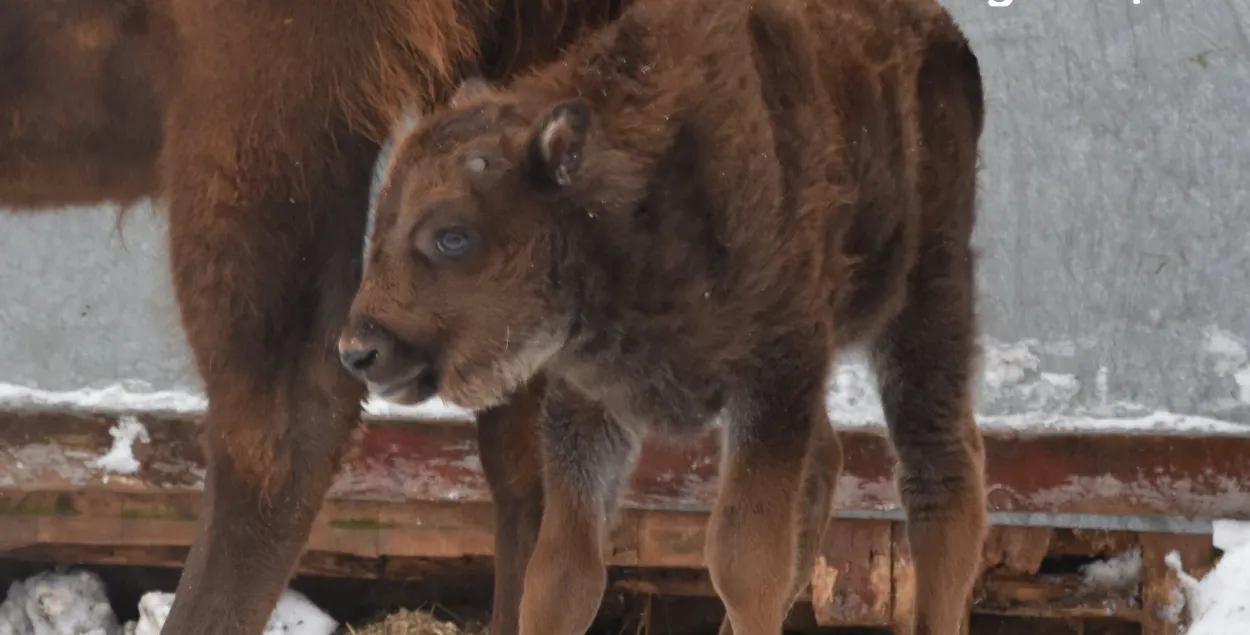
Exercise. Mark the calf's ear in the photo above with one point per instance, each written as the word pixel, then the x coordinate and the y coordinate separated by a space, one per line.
pixel 557 144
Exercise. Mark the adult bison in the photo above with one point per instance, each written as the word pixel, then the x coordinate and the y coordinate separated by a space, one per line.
pixel 682 221
pixel 258 124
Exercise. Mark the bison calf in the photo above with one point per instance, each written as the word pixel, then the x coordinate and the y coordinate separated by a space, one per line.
pixel 681 222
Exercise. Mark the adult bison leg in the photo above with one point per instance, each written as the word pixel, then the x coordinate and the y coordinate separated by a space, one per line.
pixel 509 444
pixel 263 285
pixel 267 194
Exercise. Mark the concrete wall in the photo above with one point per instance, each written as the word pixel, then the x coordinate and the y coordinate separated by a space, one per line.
pixel 1113 225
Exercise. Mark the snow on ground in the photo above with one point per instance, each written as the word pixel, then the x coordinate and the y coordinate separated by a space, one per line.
pixel 1219 604
pixel 51 603
pixel 74 603
pixel 294 615
pixel 120 458
pixel 138 397
pixel 1228 535
pixel 1120 572
pixel 1020 394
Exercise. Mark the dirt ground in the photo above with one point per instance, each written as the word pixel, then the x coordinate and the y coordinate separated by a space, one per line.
pixel 410 622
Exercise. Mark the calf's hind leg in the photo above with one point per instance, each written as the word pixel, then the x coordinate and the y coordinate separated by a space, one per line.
pixel 925 356
pixel 820 479
pixel 925 361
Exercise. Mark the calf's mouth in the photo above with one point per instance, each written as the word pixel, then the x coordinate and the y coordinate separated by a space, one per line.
pixel 419 384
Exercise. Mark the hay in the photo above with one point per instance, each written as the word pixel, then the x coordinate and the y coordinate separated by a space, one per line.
pixel 406 622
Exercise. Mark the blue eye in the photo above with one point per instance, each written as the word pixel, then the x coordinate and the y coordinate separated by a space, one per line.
pixel 453 242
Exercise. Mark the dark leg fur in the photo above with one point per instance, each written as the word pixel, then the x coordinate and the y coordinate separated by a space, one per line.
pixel 925 363
pixel 587 460
pixel 511 454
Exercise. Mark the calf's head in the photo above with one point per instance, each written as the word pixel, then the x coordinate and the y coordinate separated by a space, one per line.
pixel 461 292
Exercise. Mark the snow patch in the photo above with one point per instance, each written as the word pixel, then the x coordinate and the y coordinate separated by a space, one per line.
pixel 1242 377
pixel 1119 572
pixel 1015 371
pixel 51 603
pixel 125 396
pixel 853 400
pixel 431 409
pixel 1040 401
pixel 1020 393
pixel 1228 535
pixel 294 615
pixel 1102 387
pixel 1219 604
pixel 120 458
pixel 75 603
pixel 1226 351
pixel 1228 356
pixel 153 611
pixel 1158 422
pixel 137 396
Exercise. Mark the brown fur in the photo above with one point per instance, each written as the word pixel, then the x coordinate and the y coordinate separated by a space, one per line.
pixel 82 90
pixel 258 124
pixel 682 221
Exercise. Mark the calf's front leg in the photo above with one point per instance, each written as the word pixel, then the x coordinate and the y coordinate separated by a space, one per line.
pixel 779 463
pixel 587 458
pixel 509 443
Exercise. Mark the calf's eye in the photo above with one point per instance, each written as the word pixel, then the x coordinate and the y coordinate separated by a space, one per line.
pixel 453 241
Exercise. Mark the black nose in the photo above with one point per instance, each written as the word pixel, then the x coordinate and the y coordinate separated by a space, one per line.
pixel 358 360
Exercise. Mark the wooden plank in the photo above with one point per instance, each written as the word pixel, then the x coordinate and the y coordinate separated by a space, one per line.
pixel 903 591
pixel 1053 596
pixel 437 462
pixel 1091 543
pixel 1159 584
pixel 1018 550
pixel 672 539
pixel 412 494
pixel 853 576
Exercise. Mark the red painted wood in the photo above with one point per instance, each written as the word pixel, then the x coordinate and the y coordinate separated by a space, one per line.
pixel 1187 476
